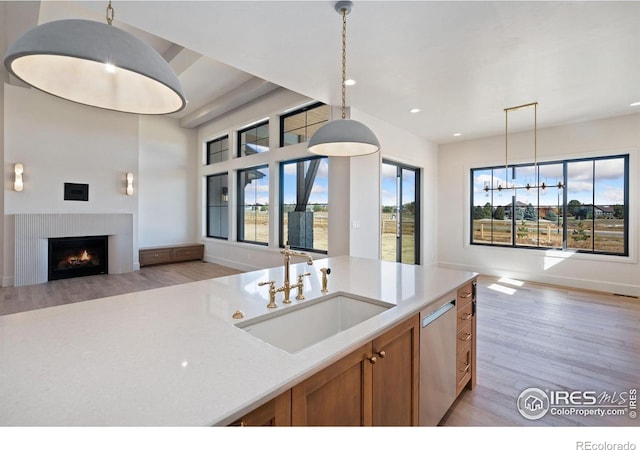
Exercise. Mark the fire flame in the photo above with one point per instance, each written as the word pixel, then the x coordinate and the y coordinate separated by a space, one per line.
pixel 85 256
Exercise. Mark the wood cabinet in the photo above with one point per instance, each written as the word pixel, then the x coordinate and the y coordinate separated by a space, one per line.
pixel 276 412
pixel 163 255
pixel 377 384
pixel 396 375
pixel 339 395
pixel 465 339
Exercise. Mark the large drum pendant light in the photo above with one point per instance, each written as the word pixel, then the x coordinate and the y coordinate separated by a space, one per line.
pixel 344 137
pixel 96 64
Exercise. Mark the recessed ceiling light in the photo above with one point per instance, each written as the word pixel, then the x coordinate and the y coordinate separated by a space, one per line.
pixel 414 110
pixel 349 82
pixel 635 104
pixel 457 134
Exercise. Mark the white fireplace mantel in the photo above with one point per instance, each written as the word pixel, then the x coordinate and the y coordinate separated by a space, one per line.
pixel 32 232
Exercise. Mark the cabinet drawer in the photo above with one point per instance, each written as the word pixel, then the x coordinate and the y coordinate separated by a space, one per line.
pixel 464 337
pixel 187 253
pixel 155 256
pixel 463 367
pixel 464 315
pixel 464 295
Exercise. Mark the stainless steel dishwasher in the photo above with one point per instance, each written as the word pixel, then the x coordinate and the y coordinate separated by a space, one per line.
pixel 437 360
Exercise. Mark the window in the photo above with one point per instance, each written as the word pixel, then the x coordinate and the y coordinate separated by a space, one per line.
pixel 253 205
pixel 253 139
pixel 298 126
pixel 400 227
pixel 579 205
pixel 304 196
pixel 218 150
pixel 218 206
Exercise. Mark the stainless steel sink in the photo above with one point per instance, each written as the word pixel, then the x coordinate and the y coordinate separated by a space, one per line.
pixel 300 326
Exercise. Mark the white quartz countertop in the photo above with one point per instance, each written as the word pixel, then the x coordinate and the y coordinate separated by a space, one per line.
pixel 173 357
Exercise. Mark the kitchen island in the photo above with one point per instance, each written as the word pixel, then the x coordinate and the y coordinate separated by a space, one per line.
pixel 174 356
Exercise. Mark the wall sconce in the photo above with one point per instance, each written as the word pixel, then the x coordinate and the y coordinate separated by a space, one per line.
pixel 129 183
pixel 18 169
pixel 225 194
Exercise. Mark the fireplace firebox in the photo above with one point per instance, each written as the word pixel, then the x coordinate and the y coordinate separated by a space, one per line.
pixel 77 256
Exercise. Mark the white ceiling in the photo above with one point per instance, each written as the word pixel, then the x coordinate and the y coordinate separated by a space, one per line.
pixel 461 63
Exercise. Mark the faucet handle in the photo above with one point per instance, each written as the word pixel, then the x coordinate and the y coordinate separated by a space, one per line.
pixel 302 275
pixel 300 285
pixel 272 293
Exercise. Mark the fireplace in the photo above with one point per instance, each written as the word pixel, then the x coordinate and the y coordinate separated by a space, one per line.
pixel 77 256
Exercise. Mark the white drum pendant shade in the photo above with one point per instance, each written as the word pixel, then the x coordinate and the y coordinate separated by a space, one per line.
pixel 343 137
pixel 96 64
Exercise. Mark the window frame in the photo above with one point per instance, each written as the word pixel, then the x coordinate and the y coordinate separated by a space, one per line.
pixel 625 157
pixel 208 217
pixel 282 209
pixel 417 172
pixel 219 139
pixel 303 109
pixel 241 205
pixel 253 126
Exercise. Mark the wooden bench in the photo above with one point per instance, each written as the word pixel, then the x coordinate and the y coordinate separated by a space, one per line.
pixel 170 254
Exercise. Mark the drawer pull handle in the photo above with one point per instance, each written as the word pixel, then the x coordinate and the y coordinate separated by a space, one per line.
pixel 382 354
pixel 466 338
pixel 466 368
pixel 467 295
pixel 467 317
pixel 373 360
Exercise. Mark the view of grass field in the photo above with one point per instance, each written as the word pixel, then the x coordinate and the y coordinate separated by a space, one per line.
pixel 389 241
pixel 603 235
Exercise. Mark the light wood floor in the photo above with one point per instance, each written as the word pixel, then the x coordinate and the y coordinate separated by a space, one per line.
pixel 528 336
pixel 61 292
pixel 549 338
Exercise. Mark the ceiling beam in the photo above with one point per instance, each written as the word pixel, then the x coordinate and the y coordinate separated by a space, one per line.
pixel 180 58
pixel 243 94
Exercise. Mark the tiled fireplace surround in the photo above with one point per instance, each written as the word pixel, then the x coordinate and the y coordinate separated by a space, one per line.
pixel 32 232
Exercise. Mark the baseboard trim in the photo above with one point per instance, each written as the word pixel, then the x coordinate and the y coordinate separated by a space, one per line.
pixel 230 263
pixel 575 283
pixel 7 281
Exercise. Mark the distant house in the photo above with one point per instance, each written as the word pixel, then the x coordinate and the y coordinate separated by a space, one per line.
pixel 543 211
pixel 603 212
pixel 507 209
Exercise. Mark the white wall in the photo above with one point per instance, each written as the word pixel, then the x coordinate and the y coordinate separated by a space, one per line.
pixel 58 141
pixel 605 273
pixel 400 146
pixel 166 184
